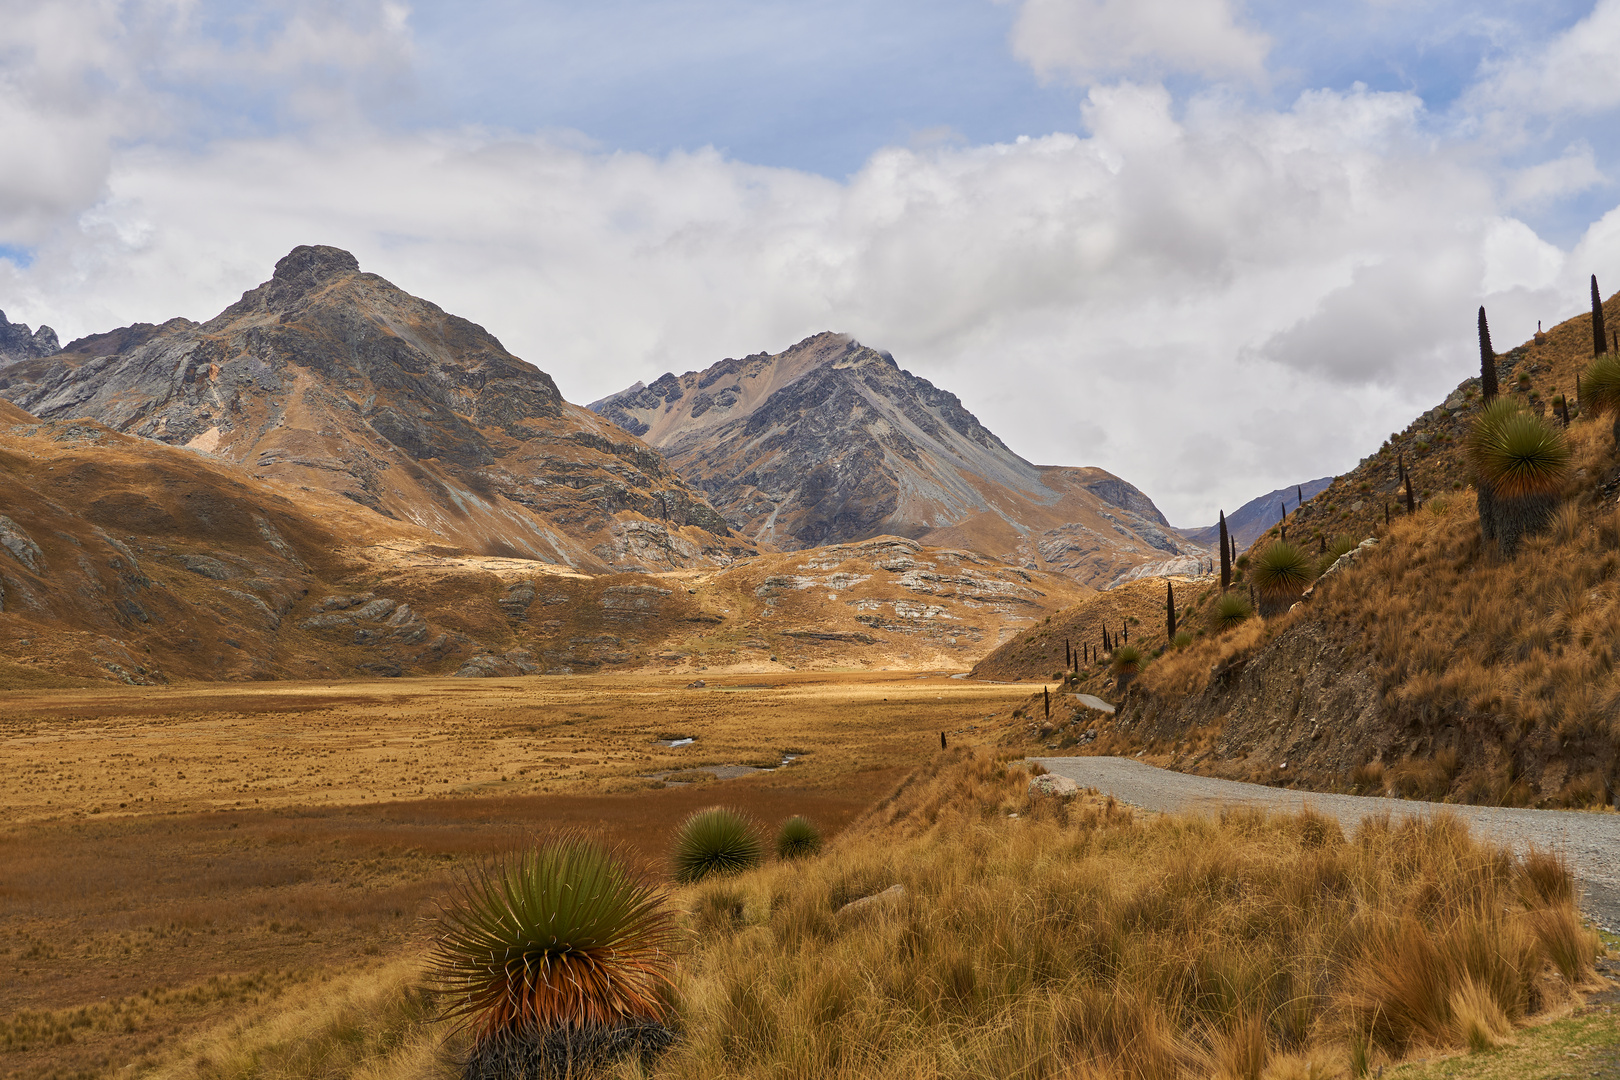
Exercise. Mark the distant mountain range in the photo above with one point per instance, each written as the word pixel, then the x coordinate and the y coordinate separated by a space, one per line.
pixel 830 442
pixel 1249 522
pixel 335 477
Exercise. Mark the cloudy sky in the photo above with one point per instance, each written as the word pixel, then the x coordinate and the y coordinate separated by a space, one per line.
pixel 1212 246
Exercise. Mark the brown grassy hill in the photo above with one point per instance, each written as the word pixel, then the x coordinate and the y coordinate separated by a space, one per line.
pixel 337 381
pixel 1431 446
pixel 832 442
pixel 125 558
pixel 1134 611
pixel 1430 666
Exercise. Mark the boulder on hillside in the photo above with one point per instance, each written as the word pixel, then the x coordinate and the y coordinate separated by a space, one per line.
pixel 1053 786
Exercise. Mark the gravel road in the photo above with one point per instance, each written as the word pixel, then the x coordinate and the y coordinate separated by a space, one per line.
pixel 1590 841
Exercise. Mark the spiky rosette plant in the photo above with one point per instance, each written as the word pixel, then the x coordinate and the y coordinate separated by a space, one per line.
pixel 797 838
pixel 553 957
pixel 1600 389
pixel 1522 460
pixel 1480 436
pixel 1126 665
pixel 718 840
pixel 1280 571
pixel 1231 609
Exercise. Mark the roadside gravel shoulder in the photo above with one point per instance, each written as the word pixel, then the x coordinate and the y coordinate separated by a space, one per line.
pixel 1591 842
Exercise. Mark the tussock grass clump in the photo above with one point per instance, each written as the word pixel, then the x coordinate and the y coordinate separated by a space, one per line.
pixel 718 840
pixel 798 838
pixel 553 957
pixel 1077 940
pixel 1127 660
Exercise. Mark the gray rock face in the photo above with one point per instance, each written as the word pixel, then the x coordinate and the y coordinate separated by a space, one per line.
pixel 832 442
pixel 17 342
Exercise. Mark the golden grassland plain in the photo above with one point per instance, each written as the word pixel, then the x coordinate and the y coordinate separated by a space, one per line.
pixel 173 855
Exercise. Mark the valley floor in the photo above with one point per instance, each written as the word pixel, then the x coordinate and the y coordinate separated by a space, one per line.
pixel 174 855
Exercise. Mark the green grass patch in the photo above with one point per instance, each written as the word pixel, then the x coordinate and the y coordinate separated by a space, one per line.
pixel 1577 1046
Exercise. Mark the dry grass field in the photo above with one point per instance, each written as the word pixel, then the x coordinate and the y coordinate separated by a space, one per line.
pixel 175 857
pixel 1038 939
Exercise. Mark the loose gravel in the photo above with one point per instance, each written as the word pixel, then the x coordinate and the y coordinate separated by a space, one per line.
pixel 1591 842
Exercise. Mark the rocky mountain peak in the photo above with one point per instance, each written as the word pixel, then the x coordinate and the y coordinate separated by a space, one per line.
pixel 307 265
pixel 831 441
pixel 17 342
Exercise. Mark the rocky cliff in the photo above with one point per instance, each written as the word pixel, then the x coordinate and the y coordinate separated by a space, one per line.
pixel 831 442
pixel 334 380
pixel 17 342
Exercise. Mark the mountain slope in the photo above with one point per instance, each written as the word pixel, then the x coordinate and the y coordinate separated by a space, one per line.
pixel 127 559
pixel 830 442
pixel 337 381
pixel 1426 665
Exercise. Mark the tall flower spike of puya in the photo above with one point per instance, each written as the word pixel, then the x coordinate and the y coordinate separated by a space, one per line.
pixel 1600 340
pixel 1226 556
pixel 1487 361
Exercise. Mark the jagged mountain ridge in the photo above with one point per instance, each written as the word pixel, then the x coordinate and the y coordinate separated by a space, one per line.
pixel 17 342
pixel 336 380
pixel 831 442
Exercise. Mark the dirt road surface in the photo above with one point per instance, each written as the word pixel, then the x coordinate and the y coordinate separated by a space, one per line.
pixel 1591 841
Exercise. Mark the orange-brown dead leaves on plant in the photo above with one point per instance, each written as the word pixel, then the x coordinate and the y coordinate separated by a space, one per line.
pixel 561 936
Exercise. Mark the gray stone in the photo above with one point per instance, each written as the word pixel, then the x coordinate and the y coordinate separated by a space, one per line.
pixel 892 895
pixel 206 567
pixel 20 544
pixel 1053 785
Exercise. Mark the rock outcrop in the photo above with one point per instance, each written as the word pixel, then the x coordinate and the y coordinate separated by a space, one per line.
pixel 831 442
pixel 331 379
pixel 17 342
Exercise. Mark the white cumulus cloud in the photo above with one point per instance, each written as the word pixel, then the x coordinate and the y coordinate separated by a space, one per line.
pixel 1091 40
pixel 1207 296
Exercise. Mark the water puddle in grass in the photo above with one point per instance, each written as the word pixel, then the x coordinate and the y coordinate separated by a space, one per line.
pixel 720 772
